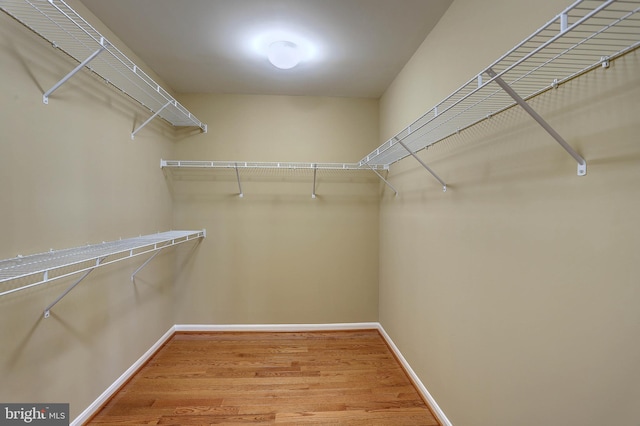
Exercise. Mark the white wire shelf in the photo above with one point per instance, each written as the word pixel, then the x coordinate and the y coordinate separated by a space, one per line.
pixel 266 165
pixel 313 170
pixel 59 24
pixel 33 270
pixel 586 35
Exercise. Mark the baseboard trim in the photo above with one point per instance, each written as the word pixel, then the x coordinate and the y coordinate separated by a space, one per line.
pixel 278 327
pixel 92 409
pixel 437 411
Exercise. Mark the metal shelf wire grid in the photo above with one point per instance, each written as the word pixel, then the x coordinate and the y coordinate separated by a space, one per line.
pixel 266 165
pixel 55 264
pixel 193 170
pixel 56 22
pixel 586 35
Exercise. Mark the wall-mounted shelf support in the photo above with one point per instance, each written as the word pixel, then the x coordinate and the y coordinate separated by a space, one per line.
pixel 141 267
pixel 582 164
pixel 37 269
pixel 413 154
pixel 47 310
pixel 241 194
pixel 588 34
pixel 155 114
pixel 384 180
pixel 45 97
pixel 66 30
pixel 199 164
pixel 315 172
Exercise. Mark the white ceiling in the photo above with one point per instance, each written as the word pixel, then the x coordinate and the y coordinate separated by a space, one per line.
pixel 205 46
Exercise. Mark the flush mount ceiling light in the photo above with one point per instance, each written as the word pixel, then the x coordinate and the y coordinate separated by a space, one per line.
pixel 284 54
pixel 284 49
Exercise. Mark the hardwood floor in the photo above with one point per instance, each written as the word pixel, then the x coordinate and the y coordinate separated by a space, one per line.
pixel 329 378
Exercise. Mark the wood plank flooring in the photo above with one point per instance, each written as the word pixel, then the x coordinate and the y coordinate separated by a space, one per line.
pixel 301 378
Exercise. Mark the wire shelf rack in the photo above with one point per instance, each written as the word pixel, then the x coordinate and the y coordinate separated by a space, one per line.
pixel 311 170
pixel 586 35
pixel 266 165
pixel 33 270
pixel 59 24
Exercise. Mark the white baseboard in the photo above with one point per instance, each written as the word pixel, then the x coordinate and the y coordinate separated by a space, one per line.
pixel 279 327
pixel 437 411
pixel 104 397
pixel 97 404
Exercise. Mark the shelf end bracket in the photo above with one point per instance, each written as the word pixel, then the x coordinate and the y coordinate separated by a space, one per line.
pixel 157 250
pixel 582 164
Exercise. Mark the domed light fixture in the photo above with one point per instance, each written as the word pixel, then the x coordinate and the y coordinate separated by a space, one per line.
pixel 284 54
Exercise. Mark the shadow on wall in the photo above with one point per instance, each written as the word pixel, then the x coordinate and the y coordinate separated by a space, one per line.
pixel 512 148
pixel 266 185
pixel 46 65
pixel 82 312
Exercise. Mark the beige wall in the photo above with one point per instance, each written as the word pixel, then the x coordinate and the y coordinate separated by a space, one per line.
pixel 70 175
pixel 514 295
pixel 277 255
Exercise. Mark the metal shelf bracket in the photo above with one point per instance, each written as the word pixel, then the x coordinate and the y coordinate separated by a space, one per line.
pixel 146 262
pixel 384 180
pixel 315 172
pixel 103 46
pixel 47 310
pixel 133 134
pixel 241 194
pixel 584 36
pixel 56 22
pixel 413 154
pixel 582 164
pixel 41 268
